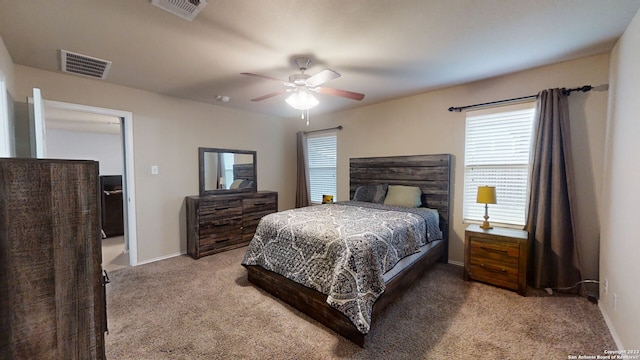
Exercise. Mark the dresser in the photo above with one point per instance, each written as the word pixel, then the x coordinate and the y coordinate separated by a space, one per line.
pixel 497 256
pixel 217 223
pixel 52 299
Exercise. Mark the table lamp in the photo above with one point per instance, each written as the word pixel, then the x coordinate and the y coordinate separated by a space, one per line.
pixel 486 196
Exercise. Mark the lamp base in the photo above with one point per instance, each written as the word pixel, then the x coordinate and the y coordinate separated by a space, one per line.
pixel 485 225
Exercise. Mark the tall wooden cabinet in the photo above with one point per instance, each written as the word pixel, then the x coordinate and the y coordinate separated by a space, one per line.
pixel 217 223
pixel 52 300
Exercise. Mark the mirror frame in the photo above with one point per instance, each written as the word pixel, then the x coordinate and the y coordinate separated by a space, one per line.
pixel 203 191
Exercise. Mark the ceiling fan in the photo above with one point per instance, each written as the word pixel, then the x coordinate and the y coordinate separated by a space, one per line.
pixel 302 85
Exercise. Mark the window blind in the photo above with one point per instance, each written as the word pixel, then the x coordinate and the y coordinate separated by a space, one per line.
pixel 497 146
pixel 322 155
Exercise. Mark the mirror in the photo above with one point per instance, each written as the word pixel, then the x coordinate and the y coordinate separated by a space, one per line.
pixel 225 171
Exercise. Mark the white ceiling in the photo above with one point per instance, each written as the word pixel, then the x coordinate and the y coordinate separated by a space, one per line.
pixel 384 48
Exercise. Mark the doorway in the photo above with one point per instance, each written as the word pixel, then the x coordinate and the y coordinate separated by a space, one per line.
pixel 121 251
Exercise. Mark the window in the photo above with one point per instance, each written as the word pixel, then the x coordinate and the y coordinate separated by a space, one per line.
pixel 227 165
pixel 497 145
pixel 321 152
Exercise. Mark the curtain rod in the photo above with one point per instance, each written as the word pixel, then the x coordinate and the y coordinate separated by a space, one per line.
pixel 567 92
pixel 339 127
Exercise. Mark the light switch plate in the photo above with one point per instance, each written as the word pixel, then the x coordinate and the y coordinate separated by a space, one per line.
pixel 154 169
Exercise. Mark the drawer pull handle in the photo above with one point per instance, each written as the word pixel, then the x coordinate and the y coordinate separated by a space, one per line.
pixel 259 204
pixel 224 240
pixel 222 208
pixel 494 250
pixel 493 269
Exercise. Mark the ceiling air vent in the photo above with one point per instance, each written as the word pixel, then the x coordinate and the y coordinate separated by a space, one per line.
pixel 186 9
pixel 79 64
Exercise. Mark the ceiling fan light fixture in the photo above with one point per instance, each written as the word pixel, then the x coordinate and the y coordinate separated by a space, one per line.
pixel 302 100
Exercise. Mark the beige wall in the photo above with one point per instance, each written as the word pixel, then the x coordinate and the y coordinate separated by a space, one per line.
pixel 422 125
pixel 620 243
pixel 167 132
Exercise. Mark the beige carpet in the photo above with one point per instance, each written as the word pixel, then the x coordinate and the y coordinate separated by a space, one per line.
pixel 113 255
pixel 182 308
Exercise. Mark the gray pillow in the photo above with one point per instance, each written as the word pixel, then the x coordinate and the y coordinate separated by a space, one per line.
pixel 246 184
pixel 371 193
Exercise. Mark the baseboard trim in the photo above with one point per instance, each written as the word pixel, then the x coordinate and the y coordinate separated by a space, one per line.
pixel 612 330
pixel 148 261
pixel 457 263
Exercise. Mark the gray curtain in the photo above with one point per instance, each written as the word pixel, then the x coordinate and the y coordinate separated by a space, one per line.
pixel 553 260
pixel 303 196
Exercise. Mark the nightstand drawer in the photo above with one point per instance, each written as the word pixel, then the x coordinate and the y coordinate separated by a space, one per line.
pixel 494 251
pixel 492 273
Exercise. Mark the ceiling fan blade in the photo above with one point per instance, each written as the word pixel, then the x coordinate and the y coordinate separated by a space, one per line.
pixel 270 95
pixel 265 77
pixel 337 92
pixel 322 77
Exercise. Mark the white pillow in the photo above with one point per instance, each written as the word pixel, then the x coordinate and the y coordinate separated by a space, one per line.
pixel 405 196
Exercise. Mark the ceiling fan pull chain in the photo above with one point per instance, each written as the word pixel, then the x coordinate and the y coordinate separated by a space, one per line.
pixel 307 117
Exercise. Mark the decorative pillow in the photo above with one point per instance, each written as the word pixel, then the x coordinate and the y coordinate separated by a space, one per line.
pixel 241 184
pixel 236 184
pixel 405 196
pixel 371 193
pixel 246 184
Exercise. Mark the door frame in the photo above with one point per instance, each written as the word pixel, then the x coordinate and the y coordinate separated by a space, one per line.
pixel 126 121
pixel 6 132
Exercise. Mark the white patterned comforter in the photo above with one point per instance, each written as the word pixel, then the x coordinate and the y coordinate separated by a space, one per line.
pixel 342 249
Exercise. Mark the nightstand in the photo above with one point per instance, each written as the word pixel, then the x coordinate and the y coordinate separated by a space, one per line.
pixel 497 256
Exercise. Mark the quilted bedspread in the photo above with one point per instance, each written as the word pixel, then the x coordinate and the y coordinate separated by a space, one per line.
pixel 341 250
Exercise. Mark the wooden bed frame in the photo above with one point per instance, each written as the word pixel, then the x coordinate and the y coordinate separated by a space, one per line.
pixel 432 174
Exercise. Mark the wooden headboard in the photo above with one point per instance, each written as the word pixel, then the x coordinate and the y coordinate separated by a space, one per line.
pixel 430 172
pixel 243 171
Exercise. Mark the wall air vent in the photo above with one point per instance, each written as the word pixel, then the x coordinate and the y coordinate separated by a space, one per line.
pixel 186 9
pixel 79 64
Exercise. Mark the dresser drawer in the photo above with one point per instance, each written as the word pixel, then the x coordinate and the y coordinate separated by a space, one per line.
pixel 220 240
pixel 263 205
pixel 220 225
pixel 219 208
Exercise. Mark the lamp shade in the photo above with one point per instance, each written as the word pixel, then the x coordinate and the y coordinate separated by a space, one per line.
pixel 486 195
pixel 302 100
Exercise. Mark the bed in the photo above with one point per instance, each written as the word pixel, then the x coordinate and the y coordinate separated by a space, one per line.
pixel 375 251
